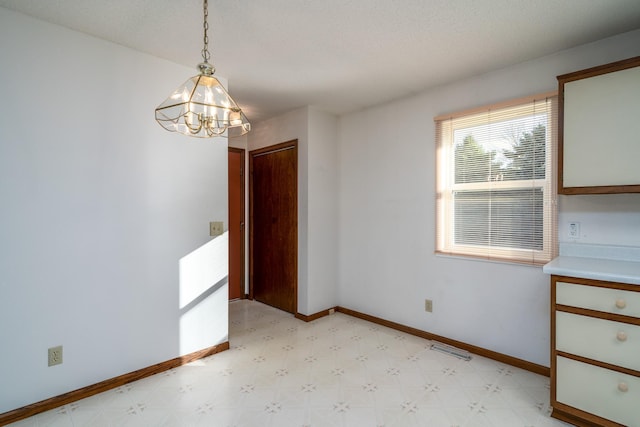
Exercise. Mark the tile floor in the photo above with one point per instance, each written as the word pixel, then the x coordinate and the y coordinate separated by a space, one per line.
pixel 334 371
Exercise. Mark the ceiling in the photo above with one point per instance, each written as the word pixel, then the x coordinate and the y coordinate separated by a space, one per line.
pixel 341 55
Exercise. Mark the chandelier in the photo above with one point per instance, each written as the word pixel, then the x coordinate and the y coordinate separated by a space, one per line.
pixel 201 106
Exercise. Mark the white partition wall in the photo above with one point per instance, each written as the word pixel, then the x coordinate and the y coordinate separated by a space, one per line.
pixel 103 215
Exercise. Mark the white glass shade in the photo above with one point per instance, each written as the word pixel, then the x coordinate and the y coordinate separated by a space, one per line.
pixel 202 107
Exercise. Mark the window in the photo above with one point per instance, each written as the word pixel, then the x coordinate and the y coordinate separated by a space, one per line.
pixel 495 181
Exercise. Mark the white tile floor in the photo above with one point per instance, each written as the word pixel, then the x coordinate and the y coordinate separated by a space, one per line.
pixel 335 371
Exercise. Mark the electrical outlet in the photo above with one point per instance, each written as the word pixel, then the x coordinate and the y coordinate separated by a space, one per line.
pixel 55 355
pixel 216 228
pixel 574 230
pixel 428 306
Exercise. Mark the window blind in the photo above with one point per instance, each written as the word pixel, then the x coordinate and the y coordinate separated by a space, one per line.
pixel 495 168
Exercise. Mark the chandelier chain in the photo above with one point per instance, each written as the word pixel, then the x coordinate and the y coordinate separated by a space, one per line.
pixel 205 50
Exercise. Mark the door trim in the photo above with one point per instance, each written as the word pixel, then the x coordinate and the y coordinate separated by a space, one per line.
pixel 243 208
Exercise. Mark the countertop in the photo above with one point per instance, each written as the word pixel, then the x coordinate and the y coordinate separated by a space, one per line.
pixel 598 262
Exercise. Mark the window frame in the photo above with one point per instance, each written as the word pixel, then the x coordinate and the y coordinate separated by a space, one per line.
pixel 446 187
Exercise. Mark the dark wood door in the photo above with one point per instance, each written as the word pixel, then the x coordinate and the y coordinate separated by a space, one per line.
pixel 236 223
pixel 273 226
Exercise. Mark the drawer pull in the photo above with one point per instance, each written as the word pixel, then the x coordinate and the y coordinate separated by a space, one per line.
pixel 621 303
pixel 623 387
pixel 621 336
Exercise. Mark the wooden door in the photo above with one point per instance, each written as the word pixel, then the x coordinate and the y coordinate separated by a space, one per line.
pixel 236 223
pixel 273 225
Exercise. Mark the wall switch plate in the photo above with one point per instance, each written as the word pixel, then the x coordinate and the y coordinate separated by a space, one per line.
pixel 216 228
pixel 428 306
pixel 574 230
pixel 55 355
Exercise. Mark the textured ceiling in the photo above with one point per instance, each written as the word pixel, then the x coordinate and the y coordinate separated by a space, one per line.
pixel 342 55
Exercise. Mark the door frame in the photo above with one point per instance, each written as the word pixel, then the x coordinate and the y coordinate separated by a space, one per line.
pixel 292 144
pixel 243 209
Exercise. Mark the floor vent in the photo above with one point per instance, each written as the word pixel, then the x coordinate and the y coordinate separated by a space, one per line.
pixel 444 348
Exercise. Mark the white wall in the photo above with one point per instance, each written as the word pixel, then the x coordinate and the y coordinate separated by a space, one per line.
pixel 387 216
pixel 317 200
pixel 104 215
pixel 612 219
pixel 323 191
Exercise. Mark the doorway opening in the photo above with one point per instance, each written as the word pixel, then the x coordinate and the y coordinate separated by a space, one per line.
pixel 236 224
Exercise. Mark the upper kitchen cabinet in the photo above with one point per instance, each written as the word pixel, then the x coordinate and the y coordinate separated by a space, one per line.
pixel 599 129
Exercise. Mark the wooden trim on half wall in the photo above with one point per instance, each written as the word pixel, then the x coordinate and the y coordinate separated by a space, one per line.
pixel 82 393
pixel 509 360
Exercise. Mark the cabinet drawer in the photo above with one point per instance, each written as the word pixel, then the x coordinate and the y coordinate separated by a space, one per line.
pixel 604 340
pixel 596 298
pixel 598 391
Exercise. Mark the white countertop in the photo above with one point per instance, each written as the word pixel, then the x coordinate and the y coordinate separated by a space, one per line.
pixel 597 263
pixel 594 268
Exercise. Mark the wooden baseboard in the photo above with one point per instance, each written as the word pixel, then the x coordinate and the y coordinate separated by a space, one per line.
pixel 72 396
pixel 315 316
pixel 509 360
pixel 578 417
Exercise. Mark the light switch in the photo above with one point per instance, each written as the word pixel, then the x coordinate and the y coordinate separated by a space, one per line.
pixel 216 228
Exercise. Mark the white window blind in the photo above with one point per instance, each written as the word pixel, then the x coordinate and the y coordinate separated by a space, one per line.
pixel 495 181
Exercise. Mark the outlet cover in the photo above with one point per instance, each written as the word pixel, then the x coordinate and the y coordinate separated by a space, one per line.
pixel 216 228
pixel 55 355
pixel 574 230
pixel 428 306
